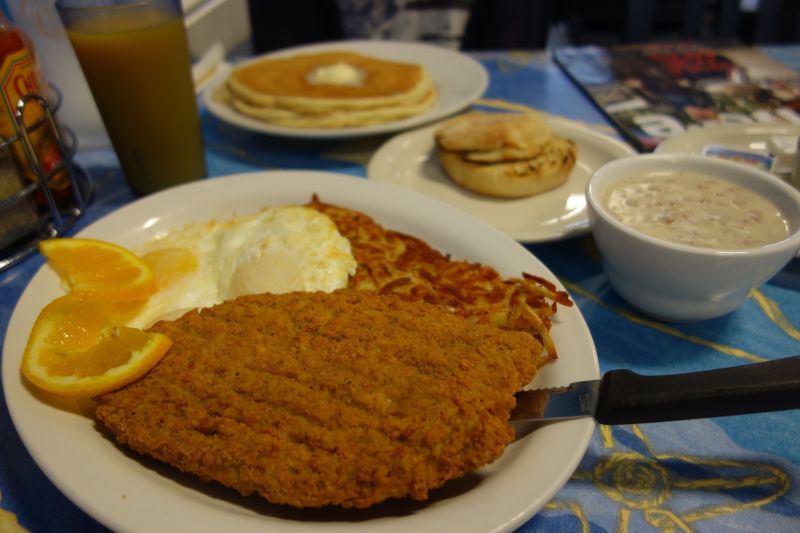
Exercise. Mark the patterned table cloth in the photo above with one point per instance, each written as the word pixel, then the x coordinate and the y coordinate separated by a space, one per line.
pixel 735 473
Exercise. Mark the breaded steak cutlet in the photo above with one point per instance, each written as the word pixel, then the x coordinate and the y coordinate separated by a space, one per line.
pixel 315 399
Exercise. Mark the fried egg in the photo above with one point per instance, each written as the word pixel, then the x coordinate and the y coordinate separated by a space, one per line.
pixel 278 250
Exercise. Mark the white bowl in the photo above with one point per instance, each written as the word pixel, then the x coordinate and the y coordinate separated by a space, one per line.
pixel 676 282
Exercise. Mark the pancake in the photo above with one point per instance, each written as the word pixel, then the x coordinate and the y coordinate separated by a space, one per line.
pixel 328 90
pixel 336 118
pixel 285 81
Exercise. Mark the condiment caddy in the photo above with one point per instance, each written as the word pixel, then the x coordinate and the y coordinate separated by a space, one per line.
pixel 42 192
pixel 35 210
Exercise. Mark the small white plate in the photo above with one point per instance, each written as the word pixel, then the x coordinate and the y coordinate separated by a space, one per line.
pixel 458 78
pixel 127 492
pixel 410 160
pixel 746 137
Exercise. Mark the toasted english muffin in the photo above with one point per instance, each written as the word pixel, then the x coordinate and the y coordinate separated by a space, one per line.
pixel 548 169
pixel 494 137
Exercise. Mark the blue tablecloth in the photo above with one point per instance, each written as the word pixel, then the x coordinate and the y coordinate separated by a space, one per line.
pixel 736 473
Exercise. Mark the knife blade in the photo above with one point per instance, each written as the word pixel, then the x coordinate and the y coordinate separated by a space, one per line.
pixel 625 397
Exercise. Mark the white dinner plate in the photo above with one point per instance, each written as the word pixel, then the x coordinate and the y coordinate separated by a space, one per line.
pixel 126 492
pixel 747 137
pixel 458 78
pixel 410 160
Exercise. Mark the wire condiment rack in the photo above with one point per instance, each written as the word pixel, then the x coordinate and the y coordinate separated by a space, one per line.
pixel 26 221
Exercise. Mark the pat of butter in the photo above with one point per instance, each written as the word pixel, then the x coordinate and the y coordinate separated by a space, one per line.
pixel 336 74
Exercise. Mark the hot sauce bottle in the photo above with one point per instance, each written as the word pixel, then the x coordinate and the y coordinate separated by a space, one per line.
pixel 19 77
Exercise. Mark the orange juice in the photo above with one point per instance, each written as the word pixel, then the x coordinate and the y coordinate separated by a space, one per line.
pixel 138 68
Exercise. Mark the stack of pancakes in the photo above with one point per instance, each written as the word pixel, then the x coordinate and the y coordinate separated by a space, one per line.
pixel 504 154
pixel 329 90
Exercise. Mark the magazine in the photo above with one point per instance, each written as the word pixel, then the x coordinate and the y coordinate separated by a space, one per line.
pixel 655 91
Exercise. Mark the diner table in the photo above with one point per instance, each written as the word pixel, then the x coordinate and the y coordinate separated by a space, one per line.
pixel 737 473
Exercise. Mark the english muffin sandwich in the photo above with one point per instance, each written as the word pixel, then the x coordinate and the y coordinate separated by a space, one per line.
pixel 504 154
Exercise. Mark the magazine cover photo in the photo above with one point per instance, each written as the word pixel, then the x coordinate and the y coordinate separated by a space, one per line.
pixel 653 92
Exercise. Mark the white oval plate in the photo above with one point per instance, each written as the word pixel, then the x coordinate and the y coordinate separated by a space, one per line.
pixel 128 493
pixel 751 137
pixel 410 160
pixel 458 78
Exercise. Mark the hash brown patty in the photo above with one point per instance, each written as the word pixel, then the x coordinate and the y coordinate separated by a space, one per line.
pixel 315 399
pixel 391 262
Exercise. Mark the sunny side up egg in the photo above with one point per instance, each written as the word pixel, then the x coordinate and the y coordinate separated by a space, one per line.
pixel 278 250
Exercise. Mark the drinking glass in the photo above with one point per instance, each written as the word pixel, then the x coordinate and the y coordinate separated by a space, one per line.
pixel 135 57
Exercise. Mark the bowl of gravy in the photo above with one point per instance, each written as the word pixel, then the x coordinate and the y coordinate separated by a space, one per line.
pixel 687 237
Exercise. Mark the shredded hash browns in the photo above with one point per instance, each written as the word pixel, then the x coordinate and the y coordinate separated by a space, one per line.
pixel 392 262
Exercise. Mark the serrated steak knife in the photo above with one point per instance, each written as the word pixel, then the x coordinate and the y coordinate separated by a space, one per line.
pixel 625 397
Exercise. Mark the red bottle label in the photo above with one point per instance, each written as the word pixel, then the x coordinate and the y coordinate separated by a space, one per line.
pixel 17 79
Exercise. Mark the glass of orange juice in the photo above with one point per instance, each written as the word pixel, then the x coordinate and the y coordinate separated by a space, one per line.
pixel 135 57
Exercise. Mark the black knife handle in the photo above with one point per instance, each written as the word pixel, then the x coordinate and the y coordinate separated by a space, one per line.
pixel 628 398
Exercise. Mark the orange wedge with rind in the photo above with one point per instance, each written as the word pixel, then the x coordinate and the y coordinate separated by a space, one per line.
pixel 99 270
pixel 73 350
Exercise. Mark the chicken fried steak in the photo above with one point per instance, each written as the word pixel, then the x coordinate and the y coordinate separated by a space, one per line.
pixel 314 399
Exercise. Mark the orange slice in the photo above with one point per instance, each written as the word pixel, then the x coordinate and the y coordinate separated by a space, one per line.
pixel 74 351
pixel 99 270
